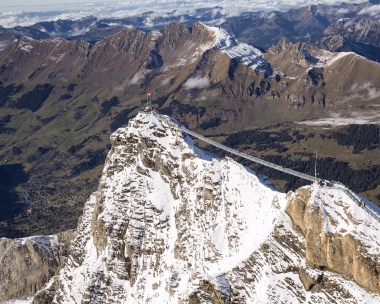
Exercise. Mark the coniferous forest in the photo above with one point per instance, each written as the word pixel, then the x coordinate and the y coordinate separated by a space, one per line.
pixel 359 137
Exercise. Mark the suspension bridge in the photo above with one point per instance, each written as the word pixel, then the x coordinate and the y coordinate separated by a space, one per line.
pixel 333 184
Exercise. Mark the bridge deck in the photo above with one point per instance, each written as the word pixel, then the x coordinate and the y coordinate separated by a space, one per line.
pixel 338 185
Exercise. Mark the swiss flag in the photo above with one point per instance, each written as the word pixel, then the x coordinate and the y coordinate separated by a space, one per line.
pixel 149 94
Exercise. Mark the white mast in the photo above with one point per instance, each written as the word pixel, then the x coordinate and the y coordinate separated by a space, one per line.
pixel 315 168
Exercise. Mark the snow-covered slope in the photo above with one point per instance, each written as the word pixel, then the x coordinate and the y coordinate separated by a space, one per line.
pixel 172 224
pixel 240 51
pixel 27 300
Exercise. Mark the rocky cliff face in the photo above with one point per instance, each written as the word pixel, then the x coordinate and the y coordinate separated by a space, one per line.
pixel 27 264
pixel 365 30
pixel 339 236
pixel 265 30
pixel 171 224
pixel 313 83
pixel 358 35
pixel 178 63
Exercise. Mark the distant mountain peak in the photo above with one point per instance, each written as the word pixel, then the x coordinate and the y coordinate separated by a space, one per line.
pixel 243 52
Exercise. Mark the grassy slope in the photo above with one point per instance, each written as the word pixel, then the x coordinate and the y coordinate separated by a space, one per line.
pixel 52 191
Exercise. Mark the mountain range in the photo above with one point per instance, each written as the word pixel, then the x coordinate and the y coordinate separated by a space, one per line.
pixel 147 214
pixel 171 223
pixel 60 98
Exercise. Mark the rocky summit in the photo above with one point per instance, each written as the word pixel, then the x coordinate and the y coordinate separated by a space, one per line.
pixel 170 223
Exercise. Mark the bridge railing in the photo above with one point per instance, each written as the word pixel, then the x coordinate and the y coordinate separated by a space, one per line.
pixel 353 196
pixel 362 204
pixel 232 151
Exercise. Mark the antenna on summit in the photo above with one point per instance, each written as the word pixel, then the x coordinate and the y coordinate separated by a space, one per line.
pixel 147 98
pixel 315 167
pixel 148 109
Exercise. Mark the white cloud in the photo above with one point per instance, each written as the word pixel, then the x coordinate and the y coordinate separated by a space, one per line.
pixel 349 23
pixel 165 82
pixel 197 82
pixel 24 13
pixel 372 11
pixel 215 22
pixel 363 92
pixel 219 21
pixel 335 115
pixel 343 11
pixel 139 77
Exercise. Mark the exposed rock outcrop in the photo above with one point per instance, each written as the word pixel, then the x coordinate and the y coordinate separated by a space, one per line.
pixel 336 238
pixel 27 264
pixel 199 75
pixel 171 224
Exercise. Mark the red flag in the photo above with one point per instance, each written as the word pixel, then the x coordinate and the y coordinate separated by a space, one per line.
pixel 149 94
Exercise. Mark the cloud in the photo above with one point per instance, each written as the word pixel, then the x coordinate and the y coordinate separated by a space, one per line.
pixel 197 82
pixel 166 82
pixel 363 92
pixel 372 11
pixel 25 13
pixel 139 77
pixel 343 11
pixel 348 24
pixel 320 12
pixel 335 115
pixel 216 22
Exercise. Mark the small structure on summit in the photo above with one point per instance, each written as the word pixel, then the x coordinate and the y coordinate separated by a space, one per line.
pixel 147 108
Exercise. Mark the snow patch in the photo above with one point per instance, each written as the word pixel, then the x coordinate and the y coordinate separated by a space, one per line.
pixel 173 217
pixel 337 56
pixel 27 300
pixel 243 52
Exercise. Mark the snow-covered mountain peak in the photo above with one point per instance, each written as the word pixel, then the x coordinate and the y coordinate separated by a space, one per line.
pixel 340 214
pixel 173 224
pixel 229 239
pixel 243 52
pixel 150 128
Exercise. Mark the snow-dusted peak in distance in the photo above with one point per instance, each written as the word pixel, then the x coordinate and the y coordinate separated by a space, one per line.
pixel 173 224
pixel 240 51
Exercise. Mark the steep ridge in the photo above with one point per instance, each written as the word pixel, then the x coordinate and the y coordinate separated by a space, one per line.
pixel 163 59
pixel 339 237
pixel 358 35
pixel 61 94
pixel 264 30
pixel 58 94
pixel 314 71
pixel 172 224
pixel 258 28
pixel 178 63
pixel 28 263
pixel 364 30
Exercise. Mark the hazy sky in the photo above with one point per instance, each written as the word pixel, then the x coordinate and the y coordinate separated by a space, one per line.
pixel 27 12
pixel 47 2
